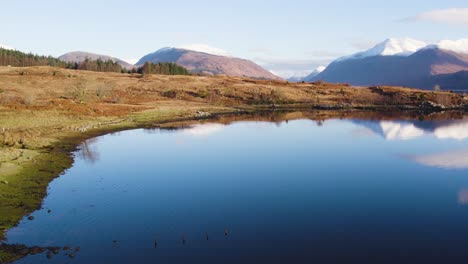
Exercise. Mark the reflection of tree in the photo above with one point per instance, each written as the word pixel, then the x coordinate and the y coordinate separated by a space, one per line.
pixel 463 197
pixel 87 152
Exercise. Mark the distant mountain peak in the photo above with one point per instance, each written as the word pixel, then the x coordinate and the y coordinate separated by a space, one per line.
pixel 314 73
pixel 197 48
pixel 79 56
pixel 390 47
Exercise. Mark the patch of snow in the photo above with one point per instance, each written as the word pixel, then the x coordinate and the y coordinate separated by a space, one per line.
pixel 459 46
pixel 320 69
pixel 205 49
pixel 163 50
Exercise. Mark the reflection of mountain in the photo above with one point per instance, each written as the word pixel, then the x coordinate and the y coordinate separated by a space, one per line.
pixel 463 197
pixel 406 130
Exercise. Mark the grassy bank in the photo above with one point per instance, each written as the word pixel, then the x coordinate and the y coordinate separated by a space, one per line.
pixel 46 112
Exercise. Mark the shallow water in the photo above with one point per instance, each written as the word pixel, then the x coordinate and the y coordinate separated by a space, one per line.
pixel 299 191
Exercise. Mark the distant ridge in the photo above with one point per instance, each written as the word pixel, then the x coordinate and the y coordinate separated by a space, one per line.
pixel 80 56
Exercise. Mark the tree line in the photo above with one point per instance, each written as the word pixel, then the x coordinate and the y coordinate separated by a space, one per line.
pixel 16 58
pixel 166 68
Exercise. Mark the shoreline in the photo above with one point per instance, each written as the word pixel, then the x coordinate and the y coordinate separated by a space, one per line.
pixel 54 160
pixel 39 134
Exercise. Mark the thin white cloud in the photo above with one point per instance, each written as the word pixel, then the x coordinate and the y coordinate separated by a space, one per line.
pixel 454 16
pixel 6 47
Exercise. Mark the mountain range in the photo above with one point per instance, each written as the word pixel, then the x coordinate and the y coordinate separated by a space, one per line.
pixel 403 62
pixel 197 62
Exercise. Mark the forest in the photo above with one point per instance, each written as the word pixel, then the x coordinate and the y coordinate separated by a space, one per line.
pixel 16 58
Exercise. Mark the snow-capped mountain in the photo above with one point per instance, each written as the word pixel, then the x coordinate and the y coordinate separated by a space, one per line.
pixel 206 60
pixel 390 47
pixel 404 62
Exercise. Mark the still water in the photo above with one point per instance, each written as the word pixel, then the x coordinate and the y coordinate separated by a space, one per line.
pixel 338 191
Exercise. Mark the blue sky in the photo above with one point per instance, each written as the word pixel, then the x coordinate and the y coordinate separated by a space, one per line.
pixel 284 36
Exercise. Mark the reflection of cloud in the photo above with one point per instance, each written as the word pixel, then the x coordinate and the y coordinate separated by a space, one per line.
pixel 454 131
pixel 400 131
pixel 463 197
pixel 204 130
pixel 445 160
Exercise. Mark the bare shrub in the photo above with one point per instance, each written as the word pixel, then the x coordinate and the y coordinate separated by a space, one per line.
pixel 171 93
pixel 78 91
pixel 29 99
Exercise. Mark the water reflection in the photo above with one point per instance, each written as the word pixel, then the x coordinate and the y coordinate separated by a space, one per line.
pixel 408 130
pixel 88 150
pixel 463 197
pixel 458 130
pixel 457 159
pixel 276 191
pixel 204 129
